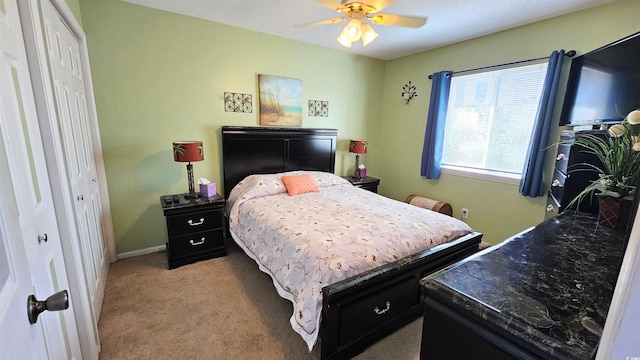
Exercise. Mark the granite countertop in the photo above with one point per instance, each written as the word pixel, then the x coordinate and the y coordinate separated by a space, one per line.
pixel 550 287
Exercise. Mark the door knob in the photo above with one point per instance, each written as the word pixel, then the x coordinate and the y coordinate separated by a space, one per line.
pixel 56 302
pixel 42 237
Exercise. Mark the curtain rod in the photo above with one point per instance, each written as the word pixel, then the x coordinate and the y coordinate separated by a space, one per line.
pixel 570 53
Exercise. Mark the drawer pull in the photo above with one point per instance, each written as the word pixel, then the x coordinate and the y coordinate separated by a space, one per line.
pixel 380 312
pixel 561 156
pixel 555 182
pixel 196 243
pixel 190 222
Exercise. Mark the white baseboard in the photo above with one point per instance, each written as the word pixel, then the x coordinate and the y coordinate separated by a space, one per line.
pixel 141 252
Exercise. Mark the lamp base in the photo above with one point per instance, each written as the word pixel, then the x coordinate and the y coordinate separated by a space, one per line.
pixel 191 196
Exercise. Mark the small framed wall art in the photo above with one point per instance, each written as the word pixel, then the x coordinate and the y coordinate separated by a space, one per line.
pixel 234 102
pixel 318 108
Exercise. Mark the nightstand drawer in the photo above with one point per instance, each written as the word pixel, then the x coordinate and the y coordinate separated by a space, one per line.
pixel 194 222
pixel 370 187
pixel 182 246
pixel 195 227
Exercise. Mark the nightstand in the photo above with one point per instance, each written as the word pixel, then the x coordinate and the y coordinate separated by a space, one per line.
pixel 367 182
pixel 195 228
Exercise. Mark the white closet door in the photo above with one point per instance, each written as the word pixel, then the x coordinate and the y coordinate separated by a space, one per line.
pixel 74 126
pixel 18 339
pixel 27 175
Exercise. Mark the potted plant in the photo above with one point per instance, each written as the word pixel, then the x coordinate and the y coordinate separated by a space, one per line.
pixel 619 153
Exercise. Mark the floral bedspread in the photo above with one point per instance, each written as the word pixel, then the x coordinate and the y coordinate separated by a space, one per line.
pixel 307 241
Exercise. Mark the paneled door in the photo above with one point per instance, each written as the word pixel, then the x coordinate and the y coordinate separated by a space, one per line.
pixel 23 170
pixel 65 65
pixel 18 339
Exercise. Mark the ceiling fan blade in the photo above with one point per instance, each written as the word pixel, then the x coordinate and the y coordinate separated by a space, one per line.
pixel 398 20
pixel 331 4
pixel 321 22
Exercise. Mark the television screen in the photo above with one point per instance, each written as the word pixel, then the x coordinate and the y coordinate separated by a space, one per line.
pixel 603 84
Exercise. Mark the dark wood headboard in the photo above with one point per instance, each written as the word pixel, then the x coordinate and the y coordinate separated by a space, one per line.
pixel 264 150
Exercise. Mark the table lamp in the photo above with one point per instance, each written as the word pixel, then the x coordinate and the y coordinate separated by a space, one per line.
pixel 358 147
pixel 188 151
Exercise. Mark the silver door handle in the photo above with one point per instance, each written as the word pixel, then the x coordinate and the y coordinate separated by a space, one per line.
pixel 56 302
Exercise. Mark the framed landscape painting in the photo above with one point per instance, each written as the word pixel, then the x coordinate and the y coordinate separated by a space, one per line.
pixel 280 101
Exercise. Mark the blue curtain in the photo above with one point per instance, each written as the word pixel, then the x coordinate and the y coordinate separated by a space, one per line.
pixel 434 134
pixel 531 183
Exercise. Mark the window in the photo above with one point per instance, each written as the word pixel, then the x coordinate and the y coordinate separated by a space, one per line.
pixel 490 116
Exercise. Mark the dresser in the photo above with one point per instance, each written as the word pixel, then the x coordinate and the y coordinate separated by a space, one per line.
pixel 195 228
pixel 367 182
pixel 542 294
pixel 571 176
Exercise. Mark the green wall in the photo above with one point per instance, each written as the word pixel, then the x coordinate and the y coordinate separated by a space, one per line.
pixel 160 77
pixel 495 209
pixel 74 5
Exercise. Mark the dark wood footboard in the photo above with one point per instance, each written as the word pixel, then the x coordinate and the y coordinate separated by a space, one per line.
pixel 359 311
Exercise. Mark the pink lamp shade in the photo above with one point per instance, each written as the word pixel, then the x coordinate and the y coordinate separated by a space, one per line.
pixel 358 146
pixel 188 151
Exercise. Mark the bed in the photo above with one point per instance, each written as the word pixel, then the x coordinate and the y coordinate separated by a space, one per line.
pixel 352 304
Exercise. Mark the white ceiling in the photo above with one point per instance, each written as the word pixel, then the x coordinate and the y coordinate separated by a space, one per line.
pixel 449 21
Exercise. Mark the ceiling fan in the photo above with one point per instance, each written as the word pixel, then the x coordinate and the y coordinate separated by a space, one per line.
pixel 360 14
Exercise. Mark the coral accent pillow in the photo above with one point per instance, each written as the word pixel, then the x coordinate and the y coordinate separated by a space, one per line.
pixel 299 184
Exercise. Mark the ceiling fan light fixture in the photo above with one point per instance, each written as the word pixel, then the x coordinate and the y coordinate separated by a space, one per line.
pixel 368 34
pixel 353 30
pixel 361 15
pixel 343 39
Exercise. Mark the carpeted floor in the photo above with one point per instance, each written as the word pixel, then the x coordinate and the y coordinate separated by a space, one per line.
pixel 223 308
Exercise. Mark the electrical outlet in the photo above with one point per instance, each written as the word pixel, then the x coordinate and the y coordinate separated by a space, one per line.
pixel 465 213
